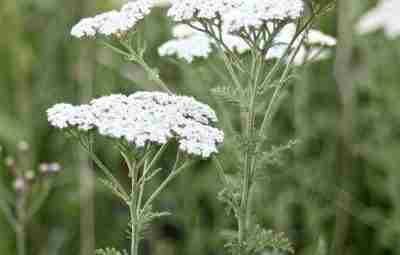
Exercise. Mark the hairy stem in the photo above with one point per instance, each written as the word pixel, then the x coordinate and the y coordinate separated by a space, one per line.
pixel 105 170
pixel 133 205
pixel 160 188
pixel 135 57
pixel 21 224
pixel 8 215
pixel 248 131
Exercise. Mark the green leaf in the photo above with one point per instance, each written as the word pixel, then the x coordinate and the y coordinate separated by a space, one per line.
pixel 228 94
pixel 114 189
pixel 259 240
pixel 109 251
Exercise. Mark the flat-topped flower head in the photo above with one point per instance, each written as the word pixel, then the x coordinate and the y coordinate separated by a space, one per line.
pixel 314 47
pixel 187 48
pixel 67 115
pixel 113 22
pixel 316 37
pixel 237 14
pixel 190 43
pixel 145 118
pixel 182 10
pixel 255 13
pixel 313 54
pixel 385 15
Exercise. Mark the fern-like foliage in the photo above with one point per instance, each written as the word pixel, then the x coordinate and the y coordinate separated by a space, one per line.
pixel 109 251
pixel 114 189
pixel 274 155
pixel 259 240
pixel 267 88
pixel 229 94
pixel 143 222
pixel 230 197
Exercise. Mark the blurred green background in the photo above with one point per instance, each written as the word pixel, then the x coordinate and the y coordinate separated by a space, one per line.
pixel 308 196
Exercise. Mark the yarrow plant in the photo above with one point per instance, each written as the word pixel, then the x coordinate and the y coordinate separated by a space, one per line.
pixel 259 42
pixel 141 126
pixel 29 190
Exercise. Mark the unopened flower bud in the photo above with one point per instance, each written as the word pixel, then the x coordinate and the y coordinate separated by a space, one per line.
pixel 10 162
pixel 30 175
pixel 43 168
pixel 54 167
pixel 19 184
pixel 46 168
pixel 23 146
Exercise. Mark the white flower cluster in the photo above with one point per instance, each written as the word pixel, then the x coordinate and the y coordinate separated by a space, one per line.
pixel 315 37
pixel 255 13
pixel 182 10
pixel 187 48
pixel 145 117
pixel 113 22
pixel 313 48
pixel 237 14
pixel 189 43
pixel 162 3
pixel 385 15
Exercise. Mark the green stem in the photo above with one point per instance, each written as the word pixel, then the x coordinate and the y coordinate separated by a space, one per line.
pixel 38 203
pixel 153 74
pixel 221 172
pixel 8 214
pixel 133 205
pixel 134 227
pixel 105 170
pixel 160 188
pixel 278 89
pixel 133 56
pixel 21 224
pixel 141 190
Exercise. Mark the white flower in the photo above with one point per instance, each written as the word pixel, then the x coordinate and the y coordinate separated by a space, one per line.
pixel 181 10
pixel 190 43
pixel 189 48
pixel 145 117
pixel 313 54
pixel 87 27
pixel 183 30
pixel 244 17
pixel 162 3
pixel 385 15
pixel 66 115
pixel 113 22
pixel 254 13
pixel 237 14
pixel 313 47
pixel 235 43
pixel 315 37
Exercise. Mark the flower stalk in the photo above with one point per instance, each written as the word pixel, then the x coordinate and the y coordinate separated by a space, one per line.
pixel 31 189
pixel 139 208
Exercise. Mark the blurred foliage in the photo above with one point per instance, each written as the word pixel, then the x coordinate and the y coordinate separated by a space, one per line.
pixel 40 65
